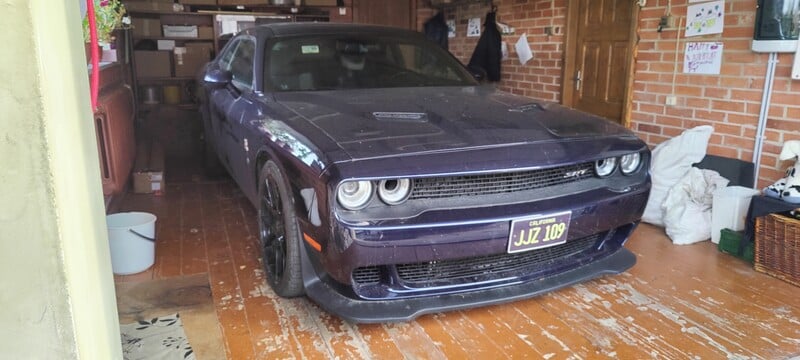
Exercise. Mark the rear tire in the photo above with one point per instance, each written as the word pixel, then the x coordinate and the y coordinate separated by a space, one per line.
pixel 279 234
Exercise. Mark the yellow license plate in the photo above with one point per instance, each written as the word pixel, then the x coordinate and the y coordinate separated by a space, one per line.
pixel 539 231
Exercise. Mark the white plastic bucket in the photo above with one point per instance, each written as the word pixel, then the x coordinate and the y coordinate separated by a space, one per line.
pixel 729 209
pixel 131 237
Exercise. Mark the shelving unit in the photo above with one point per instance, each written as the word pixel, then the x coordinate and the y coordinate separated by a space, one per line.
pixel 156 64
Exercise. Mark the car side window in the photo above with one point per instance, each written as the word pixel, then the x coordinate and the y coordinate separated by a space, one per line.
pixel 225 60
pixel 241 64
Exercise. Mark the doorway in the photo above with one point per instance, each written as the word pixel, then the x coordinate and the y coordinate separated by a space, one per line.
pixel 599 57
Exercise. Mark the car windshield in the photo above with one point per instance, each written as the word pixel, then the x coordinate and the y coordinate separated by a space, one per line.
pixel 350 61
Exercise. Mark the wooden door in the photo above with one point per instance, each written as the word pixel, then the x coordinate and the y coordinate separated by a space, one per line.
pixel 599 56
pixel 395 13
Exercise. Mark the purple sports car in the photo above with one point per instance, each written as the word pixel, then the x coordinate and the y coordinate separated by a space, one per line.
pixel 390 183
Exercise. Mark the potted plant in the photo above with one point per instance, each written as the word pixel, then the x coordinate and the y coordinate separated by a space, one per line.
pixel 109 16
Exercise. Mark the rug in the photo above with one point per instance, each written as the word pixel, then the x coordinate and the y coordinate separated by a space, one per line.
pixel 189 296
pixel 160 338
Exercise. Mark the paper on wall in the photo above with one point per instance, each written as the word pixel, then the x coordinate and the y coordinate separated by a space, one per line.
pixel 451 28
pixel 474 27
pixel 523 49
pixel 702 58
pixel 704 19
pixel 504 50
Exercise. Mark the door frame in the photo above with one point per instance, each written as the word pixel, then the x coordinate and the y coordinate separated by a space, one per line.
pixel 570 62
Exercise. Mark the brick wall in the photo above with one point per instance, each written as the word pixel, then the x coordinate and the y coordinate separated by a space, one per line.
pixel 730 101
pixel 540 78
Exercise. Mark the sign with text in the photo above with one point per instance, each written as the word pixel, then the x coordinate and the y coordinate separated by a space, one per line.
pixel 702 58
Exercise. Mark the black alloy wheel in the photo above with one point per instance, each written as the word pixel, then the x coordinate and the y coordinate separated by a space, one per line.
pixel 273 232
pixel 278 233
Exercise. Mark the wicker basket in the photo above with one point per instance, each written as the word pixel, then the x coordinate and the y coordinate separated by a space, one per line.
pixel 778 247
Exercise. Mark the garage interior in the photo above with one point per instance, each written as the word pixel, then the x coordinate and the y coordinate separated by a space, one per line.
pixel 619 59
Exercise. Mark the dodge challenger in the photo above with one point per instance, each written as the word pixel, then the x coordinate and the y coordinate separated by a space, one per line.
pixel 390 183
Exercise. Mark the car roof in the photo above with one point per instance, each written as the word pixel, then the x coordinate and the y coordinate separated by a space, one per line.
pixel 291 29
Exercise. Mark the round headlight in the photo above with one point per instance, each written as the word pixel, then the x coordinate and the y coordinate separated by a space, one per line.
pixel 394 191
pixel 629 164
pixel 354 195
pixel 605 167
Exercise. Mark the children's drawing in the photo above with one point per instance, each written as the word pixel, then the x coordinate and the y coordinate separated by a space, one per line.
pixel 706 18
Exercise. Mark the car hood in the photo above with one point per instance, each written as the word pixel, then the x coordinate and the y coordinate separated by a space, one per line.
pixel 378 123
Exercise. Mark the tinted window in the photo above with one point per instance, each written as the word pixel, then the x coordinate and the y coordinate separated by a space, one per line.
pixel 241 64
pixel 358 62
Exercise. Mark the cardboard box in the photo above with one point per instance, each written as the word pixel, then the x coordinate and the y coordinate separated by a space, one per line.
pixel 144 27
pixel 319 2
pixel 148 182
pixel 148 171
pixel 144 6
pixel 205 32
pixel 199 2
pixel 196 55
pixel 153 64
pixel 180 31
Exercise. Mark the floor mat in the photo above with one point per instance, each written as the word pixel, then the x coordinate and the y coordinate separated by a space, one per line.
pixel 160 338
pixel 189 296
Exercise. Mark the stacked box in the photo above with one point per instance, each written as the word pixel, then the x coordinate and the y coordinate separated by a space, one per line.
pixel 196 55
pixel 153 64
pixel 148 171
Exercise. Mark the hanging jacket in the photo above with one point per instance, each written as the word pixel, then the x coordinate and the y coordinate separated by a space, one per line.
pixel 436 30
pixel 488 53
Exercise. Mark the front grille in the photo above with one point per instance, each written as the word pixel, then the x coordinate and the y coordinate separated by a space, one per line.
pixel 486 184
pixel 367 275
pixel 491 265
pixel 471 269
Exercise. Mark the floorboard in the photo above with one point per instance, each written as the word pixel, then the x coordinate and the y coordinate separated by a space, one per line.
pixel 677 302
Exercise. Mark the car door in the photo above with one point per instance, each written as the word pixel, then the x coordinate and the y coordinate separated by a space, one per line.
pixel 234 100
pixel 219 101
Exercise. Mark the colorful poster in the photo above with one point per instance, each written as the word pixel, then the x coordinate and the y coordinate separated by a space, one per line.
pixel 706 18
pixel 474 27
pixel 702 58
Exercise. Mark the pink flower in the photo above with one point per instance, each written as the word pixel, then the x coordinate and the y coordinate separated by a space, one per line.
pixel 104 3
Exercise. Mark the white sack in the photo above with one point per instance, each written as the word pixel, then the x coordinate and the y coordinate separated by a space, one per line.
pixel 687 208
pixel 671 160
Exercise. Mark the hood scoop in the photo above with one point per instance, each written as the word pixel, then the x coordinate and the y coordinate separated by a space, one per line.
pixel 416 117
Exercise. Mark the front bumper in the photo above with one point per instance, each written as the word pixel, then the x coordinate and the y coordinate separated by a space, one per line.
pixel 461 233
pixel 373 311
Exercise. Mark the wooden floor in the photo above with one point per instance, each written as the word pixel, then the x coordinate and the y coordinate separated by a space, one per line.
pixel 678 302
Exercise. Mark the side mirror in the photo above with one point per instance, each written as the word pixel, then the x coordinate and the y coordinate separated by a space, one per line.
pixel 478 73
pixel 217 78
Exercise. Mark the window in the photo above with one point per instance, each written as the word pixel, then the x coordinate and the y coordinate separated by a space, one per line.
pixel 350 61
pixel 225 60
pixel 241 64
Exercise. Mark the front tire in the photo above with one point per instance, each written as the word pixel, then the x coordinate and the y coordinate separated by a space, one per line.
pixel 279 234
